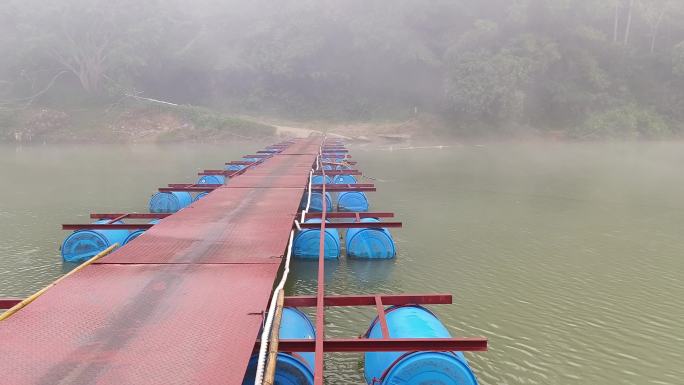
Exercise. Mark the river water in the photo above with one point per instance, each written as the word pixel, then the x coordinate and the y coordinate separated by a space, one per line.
pixel 568 257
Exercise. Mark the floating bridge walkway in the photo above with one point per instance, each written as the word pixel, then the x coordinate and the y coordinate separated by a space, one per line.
pixel 185 303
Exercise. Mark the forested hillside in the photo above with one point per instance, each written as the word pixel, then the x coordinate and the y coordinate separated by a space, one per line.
pixel 587 69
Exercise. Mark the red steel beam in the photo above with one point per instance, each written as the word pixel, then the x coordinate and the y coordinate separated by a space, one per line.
pixel 227 173
pixel 349 162
pixel 351 225
pixel 257 156
pixel 240 162
pixel 183 185
pixel 105 226
pixel 349 214
pixel 339 172
pixel 354 345
pixel 346 185
pixel 319 348
pixel 6 303
pixel 369 300
pixel 129 215
pixel 381 317
pixel 342 187
pixel 205 187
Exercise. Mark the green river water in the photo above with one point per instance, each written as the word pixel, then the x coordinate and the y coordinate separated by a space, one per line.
pixel 568 257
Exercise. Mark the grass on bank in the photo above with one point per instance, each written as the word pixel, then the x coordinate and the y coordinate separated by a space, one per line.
pixel 127 122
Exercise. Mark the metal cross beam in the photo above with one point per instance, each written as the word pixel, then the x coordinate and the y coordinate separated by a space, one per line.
pixel 345 187
pixel 226 173
pixel 349 214
pixel 107 226
pixel 339 172
pixel 197 188
pixel 7 303
pixel 369 300
pixel 351 225
pixel 129 215
pixel 355 345
pixel 240 162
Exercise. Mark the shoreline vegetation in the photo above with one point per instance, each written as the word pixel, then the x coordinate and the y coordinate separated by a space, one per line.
pixel 143 121
pixel 139 123
pixel 455 69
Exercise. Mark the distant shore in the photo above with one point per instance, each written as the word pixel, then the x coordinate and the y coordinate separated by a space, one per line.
pixel 151 123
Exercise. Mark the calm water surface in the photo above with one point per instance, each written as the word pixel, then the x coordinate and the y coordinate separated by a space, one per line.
pixel 568 257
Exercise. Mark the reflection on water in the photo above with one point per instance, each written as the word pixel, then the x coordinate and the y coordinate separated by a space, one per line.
pixel 568 257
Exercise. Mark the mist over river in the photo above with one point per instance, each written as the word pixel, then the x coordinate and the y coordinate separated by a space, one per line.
pixel 568 257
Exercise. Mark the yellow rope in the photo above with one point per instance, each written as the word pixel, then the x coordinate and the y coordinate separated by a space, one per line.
pixel 42 291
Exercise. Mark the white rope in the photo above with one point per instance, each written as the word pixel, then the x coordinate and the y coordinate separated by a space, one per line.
pixel 308 200
pixel 266 332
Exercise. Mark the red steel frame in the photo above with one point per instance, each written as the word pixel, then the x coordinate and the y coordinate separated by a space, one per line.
pixel 113 217
pixel 339 172
pixel 320 298
pixel 321 344
pixel 6 303
pixel 344 187
pixel 129 215
pixel 351 225
pixel 349 214
pixel 262 156
pixel 135 226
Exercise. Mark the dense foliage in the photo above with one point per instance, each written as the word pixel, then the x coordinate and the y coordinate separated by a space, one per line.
pixel 587 68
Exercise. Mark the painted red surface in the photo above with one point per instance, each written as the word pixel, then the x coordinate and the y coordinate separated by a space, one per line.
pixel 181 304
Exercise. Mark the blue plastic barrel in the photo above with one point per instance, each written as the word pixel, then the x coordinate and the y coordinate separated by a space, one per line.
pixel 211 179
pixel 82 245
pixel 137 233
pixel 333 160
pixel 200 196
pixel 370 243
pixel 291 368
pixel 235 167
pixel 169 202
pixel 443 368
pixel 316 204
pixel 318 179
pixel 307 243
pixel 344 179
pixel 352 201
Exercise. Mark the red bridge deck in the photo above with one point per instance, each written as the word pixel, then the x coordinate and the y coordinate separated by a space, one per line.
pixel 181 305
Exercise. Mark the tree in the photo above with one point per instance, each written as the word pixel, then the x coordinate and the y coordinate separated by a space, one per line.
pixel 87 37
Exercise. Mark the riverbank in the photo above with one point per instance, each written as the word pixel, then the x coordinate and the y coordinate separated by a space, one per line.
pixel 139 124
pixel 152 123
pixel 162 123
